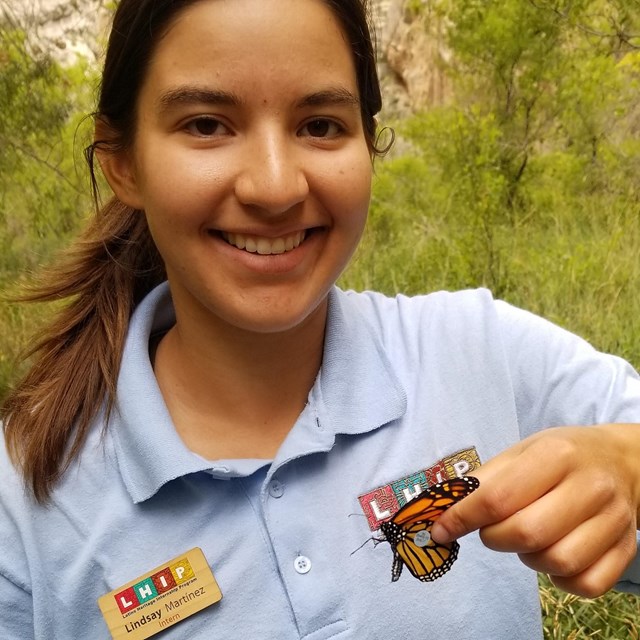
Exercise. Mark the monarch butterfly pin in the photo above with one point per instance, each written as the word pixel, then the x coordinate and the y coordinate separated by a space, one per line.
pixel 409 531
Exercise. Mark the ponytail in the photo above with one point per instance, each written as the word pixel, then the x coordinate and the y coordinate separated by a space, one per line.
pixel 103 276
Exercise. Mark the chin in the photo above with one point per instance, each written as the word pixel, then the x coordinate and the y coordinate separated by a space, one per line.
pixel 277 319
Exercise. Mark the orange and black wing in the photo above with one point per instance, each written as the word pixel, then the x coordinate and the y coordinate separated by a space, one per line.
pixel 409 531
pixel 435 500
pixel 427 560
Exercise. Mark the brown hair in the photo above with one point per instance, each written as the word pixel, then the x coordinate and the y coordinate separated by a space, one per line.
pixel 114 264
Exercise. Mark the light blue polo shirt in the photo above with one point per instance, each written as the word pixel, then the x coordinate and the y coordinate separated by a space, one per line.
pixel 404 383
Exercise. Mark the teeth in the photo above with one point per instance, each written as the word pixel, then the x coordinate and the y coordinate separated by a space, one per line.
pixel 265 246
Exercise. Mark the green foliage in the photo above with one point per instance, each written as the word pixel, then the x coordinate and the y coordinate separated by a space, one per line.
pixel 529 181
pixel 42 196
pixel 414 7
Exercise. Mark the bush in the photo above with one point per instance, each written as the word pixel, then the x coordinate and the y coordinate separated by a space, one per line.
pixel 42 196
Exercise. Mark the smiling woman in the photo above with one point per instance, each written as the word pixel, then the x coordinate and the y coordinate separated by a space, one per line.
pixel 208 385
pixel 272 158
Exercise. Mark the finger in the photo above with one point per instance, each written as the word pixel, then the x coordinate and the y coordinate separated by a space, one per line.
pixel 544 521
pixel 602 575
pixel 497 499
pixel 578 550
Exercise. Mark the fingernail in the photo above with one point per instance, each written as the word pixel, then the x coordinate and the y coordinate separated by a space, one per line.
pixel 440 534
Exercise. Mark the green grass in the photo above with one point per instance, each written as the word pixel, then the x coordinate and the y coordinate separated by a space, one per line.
pixel 614 616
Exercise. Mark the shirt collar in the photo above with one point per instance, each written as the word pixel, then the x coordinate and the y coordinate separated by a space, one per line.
pixel 358 388
pixel 356 391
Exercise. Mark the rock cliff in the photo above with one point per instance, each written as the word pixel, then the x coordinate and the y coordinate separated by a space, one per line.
pixel 411 55
pixel 66 28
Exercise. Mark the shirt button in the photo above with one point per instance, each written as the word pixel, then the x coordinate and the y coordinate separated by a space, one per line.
pixel 302 565
pixel 276 489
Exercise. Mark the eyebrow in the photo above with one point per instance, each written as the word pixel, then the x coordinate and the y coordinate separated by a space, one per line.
pixel 337 96
pixel 196 95
pixel 185 95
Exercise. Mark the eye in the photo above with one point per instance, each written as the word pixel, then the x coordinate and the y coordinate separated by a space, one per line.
pixel 321 128
pixel 206 127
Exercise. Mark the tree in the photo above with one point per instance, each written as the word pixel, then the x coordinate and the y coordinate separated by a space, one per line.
pixel 42 195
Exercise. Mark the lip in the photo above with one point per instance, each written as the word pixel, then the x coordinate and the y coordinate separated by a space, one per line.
pixel 273 263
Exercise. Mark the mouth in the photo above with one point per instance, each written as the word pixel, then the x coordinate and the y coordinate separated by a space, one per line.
pixel 265 246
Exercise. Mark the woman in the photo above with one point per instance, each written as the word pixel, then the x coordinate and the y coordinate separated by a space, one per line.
pixel 249 408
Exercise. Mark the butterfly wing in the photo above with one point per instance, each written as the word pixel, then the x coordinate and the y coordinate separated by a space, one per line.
pixel 428 561
pixel 433 502
pixel 409 531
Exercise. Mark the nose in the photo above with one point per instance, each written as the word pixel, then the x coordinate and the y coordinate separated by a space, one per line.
pixel 272 177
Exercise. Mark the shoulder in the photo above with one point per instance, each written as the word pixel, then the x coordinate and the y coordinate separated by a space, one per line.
pixel 26 525
pixel 469 331
pixel 429 307
pixel 13 491
pixel 465 316
pixel 15 516
pixel 459 315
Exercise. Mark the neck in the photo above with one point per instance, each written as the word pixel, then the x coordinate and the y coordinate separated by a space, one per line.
pixel 234 393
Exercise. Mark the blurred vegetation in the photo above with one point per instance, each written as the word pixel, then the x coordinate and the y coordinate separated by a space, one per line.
pixel 528 183
pixel 565 616
pixel 44 193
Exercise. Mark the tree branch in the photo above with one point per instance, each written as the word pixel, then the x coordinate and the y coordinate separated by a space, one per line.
pixel 618 33
pixel 30 154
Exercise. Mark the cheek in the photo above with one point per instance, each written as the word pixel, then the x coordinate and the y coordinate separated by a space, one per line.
pixel 350 187
pixel 180 192
pixel 357 190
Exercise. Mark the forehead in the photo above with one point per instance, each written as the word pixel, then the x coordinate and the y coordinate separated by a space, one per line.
pixel 254 45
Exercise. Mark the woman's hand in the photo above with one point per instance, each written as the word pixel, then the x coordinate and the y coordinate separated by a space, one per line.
pixel 566 500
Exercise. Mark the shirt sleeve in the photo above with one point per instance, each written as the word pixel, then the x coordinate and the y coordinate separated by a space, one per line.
pixel 16 600
pixel 630 579
pixel 16 612
pixel 559 379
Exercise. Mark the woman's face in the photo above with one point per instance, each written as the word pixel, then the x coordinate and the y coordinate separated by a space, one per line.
pixel 250 160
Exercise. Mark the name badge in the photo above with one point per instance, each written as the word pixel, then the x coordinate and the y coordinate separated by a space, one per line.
pixel 160 598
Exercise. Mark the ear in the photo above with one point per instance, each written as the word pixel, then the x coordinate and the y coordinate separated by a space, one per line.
pixel 117 165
